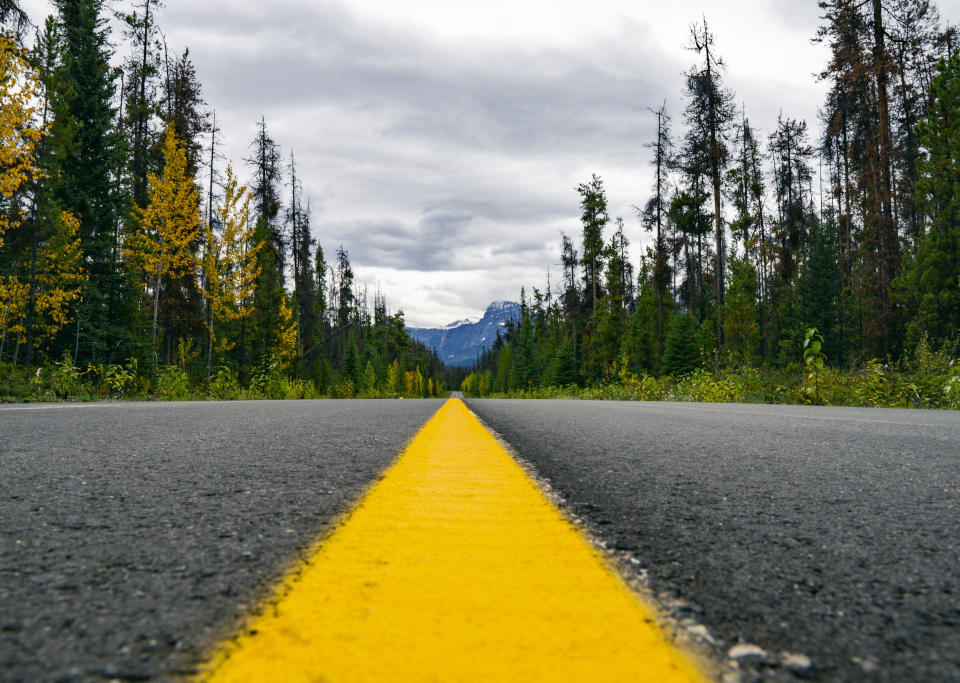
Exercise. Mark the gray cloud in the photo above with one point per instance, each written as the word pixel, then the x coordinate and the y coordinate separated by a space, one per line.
pixel 446 163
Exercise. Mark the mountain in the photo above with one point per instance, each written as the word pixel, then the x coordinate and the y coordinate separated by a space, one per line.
pixel 459 342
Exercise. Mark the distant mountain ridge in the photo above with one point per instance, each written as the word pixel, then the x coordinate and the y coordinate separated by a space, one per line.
pixel 459 342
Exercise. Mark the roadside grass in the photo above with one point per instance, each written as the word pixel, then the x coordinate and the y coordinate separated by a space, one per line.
pixel 873 385
pixel 64 381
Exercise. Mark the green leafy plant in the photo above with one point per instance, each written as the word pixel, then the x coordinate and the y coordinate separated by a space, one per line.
pixel 813 359
pixel 269 382
pixel 173 384
pixel 224 385
pixel 118 378
pixel 67 379
pixel 951 388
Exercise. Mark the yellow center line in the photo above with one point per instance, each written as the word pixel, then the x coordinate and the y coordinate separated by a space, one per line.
pixel 454 568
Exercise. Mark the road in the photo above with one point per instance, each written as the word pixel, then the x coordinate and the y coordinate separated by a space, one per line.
pixel 134 536
pixel 831 533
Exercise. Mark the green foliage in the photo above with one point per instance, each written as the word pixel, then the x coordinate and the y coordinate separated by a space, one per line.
pixel 270 381
pixel 951 387
pixel 930 285
pixel 524 373
pixel 369 385
pixel 225 384
pixel 352 370
pixel 504 368
pixel 561 371
pixel 813 359
pixel 67 379
pixel 119 378
pixel 173 384
pixel 740 328
pixel 682 354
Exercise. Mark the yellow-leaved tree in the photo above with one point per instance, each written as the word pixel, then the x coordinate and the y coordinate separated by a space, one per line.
pixel 59 277
pixel 20 88
pixel 13 300
pixel 162 243
pixel 230 263
pixel 58 262
pixel 287 333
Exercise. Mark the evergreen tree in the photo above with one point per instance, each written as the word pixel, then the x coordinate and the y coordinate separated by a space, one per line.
pixel 819 288
pixel 143 106
pixel 656 212
pixel 709 114
pixel 90 189
pixel 186 110
pixel 561 371
pixel 593 204
pixel 351 365
pixel 264 161
pixel 740 327
pixel 640 348
pixel 524 373
pixel 683 348
pixel 46 219
pixel 930 286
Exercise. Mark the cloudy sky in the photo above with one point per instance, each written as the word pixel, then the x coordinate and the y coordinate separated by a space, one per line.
pixel 441 141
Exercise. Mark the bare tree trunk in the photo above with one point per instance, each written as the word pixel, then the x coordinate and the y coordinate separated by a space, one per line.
pixel 156 310
pixel 209 344
pixel 16 351
pixel 3 337
pixel 715 171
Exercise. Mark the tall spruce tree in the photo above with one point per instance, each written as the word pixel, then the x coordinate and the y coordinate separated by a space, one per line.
pixel 525 368
pixel 594 217
pixel 91 191
pixel 930 286
pixel 683 346
pixel 264 161
pixel 709 113
pixel 655 212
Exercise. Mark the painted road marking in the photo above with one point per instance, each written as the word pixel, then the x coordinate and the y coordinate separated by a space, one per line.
pixel 453 568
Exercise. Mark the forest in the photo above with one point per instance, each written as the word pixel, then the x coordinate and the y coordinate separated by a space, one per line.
pixel 817 264
pixel 130 267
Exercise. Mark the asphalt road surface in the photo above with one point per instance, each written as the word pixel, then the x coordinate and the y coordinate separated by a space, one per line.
pixel 831 533
pixel 134 536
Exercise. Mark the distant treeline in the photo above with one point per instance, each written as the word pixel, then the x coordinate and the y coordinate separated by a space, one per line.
pixel 854 231
pixel 120 242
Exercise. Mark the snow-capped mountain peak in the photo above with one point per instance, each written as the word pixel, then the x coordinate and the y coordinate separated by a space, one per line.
pixel 459 342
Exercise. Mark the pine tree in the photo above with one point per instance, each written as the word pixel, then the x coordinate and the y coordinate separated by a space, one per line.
pixel 593 204
pixel 351 365
pixel 48 224
pixel 656 212
pixel 819 287
pixel 740 327
pixel 185 110
pixel 264 161
pixel 369 381
pixel 524 372
pixel 709 114
pixel 683 349
pixel 639 351
pixel 90 190
pixel 143 106
pixel 930 287
pixel 561 372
